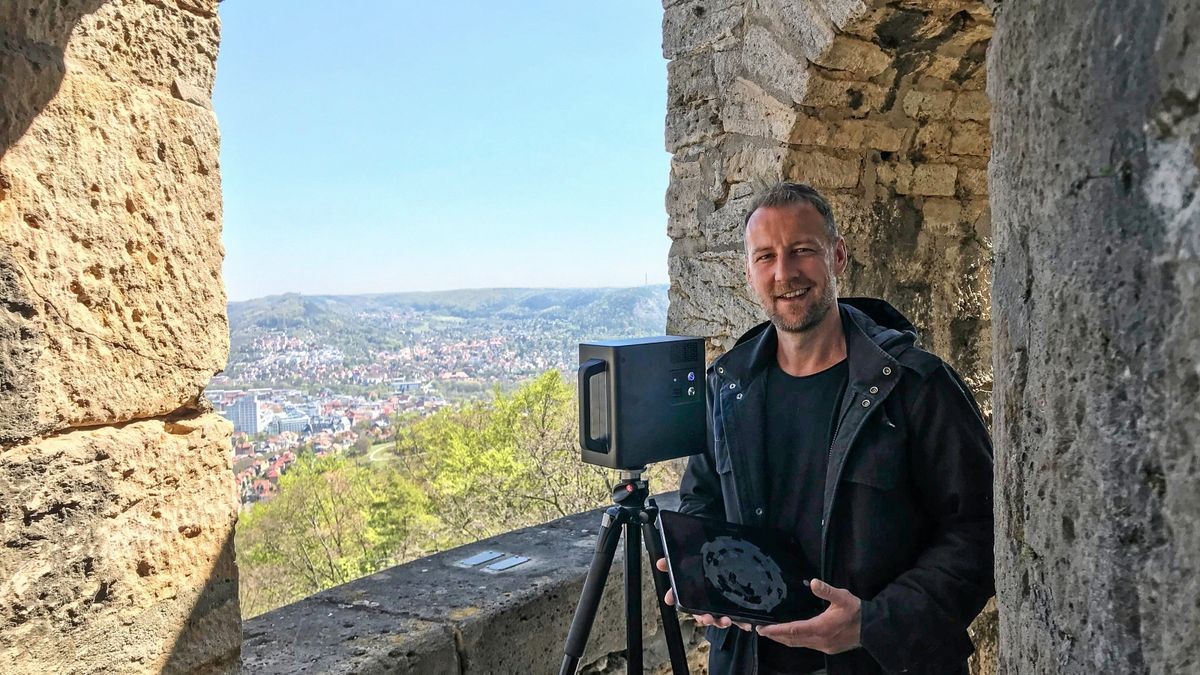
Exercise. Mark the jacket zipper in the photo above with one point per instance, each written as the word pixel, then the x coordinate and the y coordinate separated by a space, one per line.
pixel 837 428
pixel 833 438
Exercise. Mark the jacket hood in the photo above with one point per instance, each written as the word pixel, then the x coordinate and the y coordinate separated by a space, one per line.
pixel 882 313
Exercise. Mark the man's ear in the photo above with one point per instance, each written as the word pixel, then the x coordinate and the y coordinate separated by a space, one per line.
pixel 841 256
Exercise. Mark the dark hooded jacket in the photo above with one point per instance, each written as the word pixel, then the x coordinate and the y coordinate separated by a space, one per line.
pixel 907 518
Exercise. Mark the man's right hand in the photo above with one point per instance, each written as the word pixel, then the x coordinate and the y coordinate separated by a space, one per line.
pixel 702 619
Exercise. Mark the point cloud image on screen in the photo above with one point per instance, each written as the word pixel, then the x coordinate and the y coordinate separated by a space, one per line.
pixel 743 573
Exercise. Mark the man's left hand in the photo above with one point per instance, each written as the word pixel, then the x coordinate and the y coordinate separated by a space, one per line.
pixel 833 631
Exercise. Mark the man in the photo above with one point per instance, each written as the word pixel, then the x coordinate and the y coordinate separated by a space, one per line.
pixel 828 422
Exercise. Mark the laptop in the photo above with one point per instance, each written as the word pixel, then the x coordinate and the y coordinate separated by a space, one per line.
pixel 749 574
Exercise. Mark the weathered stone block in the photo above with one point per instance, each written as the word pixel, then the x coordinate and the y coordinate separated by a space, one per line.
pixel 943 67
pixel 110 232
pixel 723 228
pixel 940 9
pixel 851 212
pixel 971 138
pixel 1096 201
pixel 971 105
pixel 687 127
pixel 801 23
pixel 927 104
pixel 930 84
pixel 748 110
pixel 754 165
pixel 691 102
pixel 812 130
pixel 880 135
pixel 823 170
pixel 846 95
pixel 855 56
pixel 843 12
pixel 973 181
pixel 977 81
pixel 866 24
pixel 935 180
pixel 691 79
pixel 771 66
pixel 971 37
pixel 116 540
pixel 150 43
pixel 683 199
pixel 716 297
pixel 122 269
pixel 979 214
pixel 933 140
pixel 942 215
pixel 190 93
pixel 692 26
pixel 848 133
pixel 897 176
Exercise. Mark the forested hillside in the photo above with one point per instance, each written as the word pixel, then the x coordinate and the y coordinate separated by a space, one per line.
pixel 456 476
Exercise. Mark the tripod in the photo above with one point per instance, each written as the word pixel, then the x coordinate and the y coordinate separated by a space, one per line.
pixel 632 511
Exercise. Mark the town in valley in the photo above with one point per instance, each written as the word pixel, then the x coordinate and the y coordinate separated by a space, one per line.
pixel 336 374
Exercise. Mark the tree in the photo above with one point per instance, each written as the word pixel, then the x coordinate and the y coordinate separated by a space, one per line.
pixel 494 466
pixel 543 420
pixel 456 476
pixel 333 520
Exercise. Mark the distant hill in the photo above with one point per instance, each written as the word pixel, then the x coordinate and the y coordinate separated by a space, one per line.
pixel 278 339
pixel 640 310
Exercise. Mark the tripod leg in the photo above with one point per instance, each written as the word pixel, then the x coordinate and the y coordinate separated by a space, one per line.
pixel 633 597
pixel 593 588
pixel 662 582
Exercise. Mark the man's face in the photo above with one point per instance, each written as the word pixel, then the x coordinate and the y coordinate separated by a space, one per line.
pixel 792 266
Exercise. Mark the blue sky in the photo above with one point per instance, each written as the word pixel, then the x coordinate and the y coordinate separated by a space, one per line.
pixel 374 146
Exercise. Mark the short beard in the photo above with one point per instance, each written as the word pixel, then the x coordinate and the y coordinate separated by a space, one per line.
pixel 810 319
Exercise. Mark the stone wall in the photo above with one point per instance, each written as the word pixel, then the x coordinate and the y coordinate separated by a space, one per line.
pixel 1096 195
pixel 440 615
pixel 116 503
pixel 881 106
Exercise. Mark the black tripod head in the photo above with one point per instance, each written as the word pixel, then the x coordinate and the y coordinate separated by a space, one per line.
pixel 631 492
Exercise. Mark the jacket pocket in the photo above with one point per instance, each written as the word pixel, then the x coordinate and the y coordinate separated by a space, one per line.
pixel 879 462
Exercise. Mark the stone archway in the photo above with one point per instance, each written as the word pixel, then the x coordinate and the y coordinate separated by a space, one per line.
pixel 115 516
pixel 1093 183
pixel 880 105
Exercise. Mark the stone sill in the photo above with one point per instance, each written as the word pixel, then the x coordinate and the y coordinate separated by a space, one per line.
pixel 434 616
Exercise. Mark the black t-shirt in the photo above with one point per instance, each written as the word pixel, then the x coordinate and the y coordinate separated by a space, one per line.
pixel 800 420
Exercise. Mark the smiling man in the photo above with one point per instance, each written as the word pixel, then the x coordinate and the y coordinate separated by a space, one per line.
pixel 828 422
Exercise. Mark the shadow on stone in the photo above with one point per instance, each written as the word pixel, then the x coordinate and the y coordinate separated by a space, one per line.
pixel 209 641
pixel 118 550
pixel 33 39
